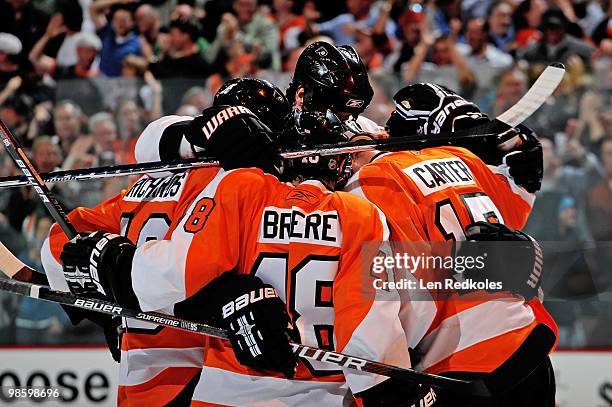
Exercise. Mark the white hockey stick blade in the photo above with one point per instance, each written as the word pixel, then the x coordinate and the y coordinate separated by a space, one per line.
pixel 531 101
pixel 14 268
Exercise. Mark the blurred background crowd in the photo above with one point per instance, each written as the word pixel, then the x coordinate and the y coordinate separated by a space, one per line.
pixel 79 80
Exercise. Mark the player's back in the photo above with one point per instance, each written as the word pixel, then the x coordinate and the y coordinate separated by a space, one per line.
pixel 156 362
pixel 432 195
pixel 307 243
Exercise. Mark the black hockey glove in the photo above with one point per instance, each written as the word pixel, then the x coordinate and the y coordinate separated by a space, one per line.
pixel 392 393
pixel 254 316
pixel 240 142
pixel 99 265
pixel 111 325
pixel 510 256
pixel 526 163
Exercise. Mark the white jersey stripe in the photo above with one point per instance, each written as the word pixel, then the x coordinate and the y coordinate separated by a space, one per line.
pixel 504 170
pixel 233 389
pixel 141 365
pixel 472 326
pixel 166 287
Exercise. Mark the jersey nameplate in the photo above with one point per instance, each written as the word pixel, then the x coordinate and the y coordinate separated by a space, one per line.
pixel 280 225
pixel 434 175
pixel 157 189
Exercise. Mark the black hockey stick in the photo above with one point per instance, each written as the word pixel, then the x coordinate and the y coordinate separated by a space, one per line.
pixel 10 264
pixel 544 86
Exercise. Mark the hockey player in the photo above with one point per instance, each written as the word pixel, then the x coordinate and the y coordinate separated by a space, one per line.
pixel 247 229
pixel 435 194
pixel 159 366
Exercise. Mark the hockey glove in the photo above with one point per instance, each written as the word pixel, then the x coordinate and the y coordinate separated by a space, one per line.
pixel 510 256
pixel 254 316
pixel 392 393
pixel 99 265
pixel 526 164
pixel 240 142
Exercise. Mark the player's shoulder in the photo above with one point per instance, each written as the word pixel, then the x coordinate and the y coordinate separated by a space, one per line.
pixel 352 205
pixel 250 182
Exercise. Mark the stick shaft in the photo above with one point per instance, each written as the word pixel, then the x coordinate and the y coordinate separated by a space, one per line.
pixel 338 359
pixel 48 199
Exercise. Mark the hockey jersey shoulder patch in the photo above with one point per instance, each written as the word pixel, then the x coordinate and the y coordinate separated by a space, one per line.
pixel 157 189
pixel 437 174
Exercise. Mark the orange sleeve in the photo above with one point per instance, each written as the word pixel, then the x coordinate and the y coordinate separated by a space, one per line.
pixel 105 216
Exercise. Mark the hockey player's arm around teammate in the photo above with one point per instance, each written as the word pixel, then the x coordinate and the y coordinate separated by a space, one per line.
pixel 105 265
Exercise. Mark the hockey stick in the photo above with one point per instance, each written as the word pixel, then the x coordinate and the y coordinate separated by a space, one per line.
pixel 10 265
pixel 544 86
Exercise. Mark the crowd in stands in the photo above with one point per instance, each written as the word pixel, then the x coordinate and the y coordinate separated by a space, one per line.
pixel 79 80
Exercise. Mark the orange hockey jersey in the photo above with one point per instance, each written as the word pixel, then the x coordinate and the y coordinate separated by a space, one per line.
pixel 307 243
pixel 156 362
pixel 431 195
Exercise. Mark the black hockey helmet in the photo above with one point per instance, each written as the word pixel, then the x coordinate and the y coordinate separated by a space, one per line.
pixel 333 78
pixel 427 109
pixel 236 137
pixel 261 97
pixel 314 128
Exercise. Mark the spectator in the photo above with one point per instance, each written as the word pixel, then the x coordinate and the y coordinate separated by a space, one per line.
pixel 104 132
pixel 46 157
pixel 367 50
pixel 527 20
pixel 445 17
pixel 16 112
pixel 556 44
pixel 360 14
pixel 26 22
pixel 560 182
pixel 183 58
pixel 67 119
pixel 475 8
pixel 439 61
pixel 151 92
pixel 289 23
pixel 602 31
pixel 10 48
pixel 599 206
pixel 68 22
pixel 12 86
pixel 118 37
pixel 188 13
pixel 130 123
pixel 198 97
pixel 88 47
pixel 412 22
pixel 148 24
pixel 501 31
pixel 510 89
pixel 257 35
pixel 482 56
